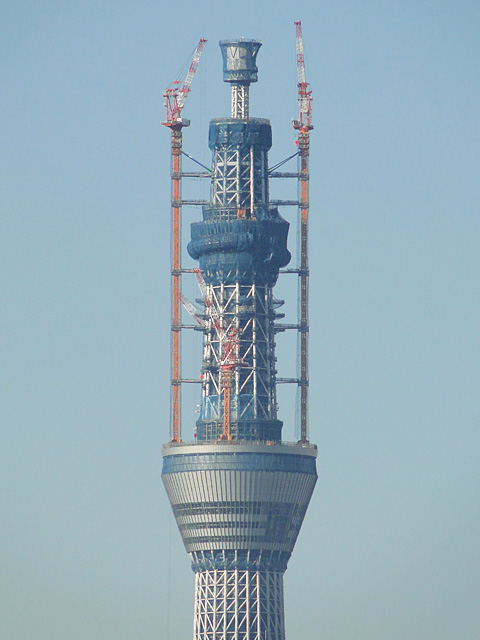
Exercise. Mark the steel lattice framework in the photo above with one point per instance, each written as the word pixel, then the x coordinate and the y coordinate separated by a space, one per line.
pixel 240 101
pixel 238 605
pixel 248 308
pixel 239 178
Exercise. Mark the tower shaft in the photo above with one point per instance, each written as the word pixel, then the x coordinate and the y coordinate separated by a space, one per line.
pixel 239 604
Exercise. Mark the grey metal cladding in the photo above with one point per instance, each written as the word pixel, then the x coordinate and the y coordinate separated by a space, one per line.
pixel 242 461
pixel 221 509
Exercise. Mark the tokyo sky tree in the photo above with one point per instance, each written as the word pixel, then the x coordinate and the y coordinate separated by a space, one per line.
pixel 238 492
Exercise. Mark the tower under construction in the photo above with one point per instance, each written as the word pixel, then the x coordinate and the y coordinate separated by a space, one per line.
pixel 238 492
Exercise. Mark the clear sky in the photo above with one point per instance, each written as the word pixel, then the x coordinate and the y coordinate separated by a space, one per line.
pixel 390 546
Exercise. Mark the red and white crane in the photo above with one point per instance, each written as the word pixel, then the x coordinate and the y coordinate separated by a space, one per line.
pixel 303 125
pixel 304 121
pixel 210 307
pixel 175 97
pixel 229 361
pixel 192 310
pixel 228 350
pixel 174 103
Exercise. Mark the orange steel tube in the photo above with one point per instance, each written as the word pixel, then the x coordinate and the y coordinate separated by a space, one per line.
pixel 175 273
pixel 226 383
pixel 304 177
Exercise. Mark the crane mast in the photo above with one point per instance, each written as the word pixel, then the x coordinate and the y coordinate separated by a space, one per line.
pixel 174 101
pixel 303 126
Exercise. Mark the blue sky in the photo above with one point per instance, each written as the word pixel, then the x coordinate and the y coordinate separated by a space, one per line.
pixel 389 548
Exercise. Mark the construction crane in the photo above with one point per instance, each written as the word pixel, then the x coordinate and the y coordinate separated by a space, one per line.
pixel 210 307
pixel 229 350
pixel 304 97
pixel 175 97
pixel 229 347
pixel 303 126
pixel 174 103
pixel 192 310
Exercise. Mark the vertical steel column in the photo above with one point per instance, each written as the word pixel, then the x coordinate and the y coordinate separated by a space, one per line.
pixel 252 183
pixel 254 354
pixel 304 144
pixel 176 169
pixel 240 100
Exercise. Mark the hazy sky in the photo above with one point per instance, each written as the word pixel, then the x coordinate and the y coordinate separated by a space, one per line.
pixel 390 549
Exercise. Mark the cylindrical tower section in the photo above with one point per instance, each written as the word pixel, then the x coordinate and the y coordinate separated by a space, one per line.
pixel 241 244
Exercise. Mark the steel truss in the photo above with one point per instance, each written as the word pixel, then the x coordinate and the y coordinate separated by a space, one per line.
pixel 240 178
pixel 240 100
pixel 248 309
pixel 239 605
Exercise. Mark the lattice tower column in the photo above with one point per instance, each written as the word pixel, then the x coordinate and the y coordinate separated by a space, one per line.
pixel 239 605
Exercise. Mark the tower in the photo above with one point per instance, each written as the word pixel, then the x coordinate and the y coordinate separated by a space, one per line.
pixel 238 493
